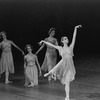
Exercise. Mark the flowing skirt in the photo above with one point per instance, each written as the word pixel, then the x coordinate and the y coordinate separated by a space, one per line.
pixel 49 60
pixel 31 75
pixel 6 63
pixel 63 68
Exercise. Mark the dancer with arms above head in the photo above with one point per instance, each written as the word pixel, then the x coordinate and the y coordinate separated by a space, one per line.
pixel 30 65
pixel 64 70
pixel 51 54
pixel 6 61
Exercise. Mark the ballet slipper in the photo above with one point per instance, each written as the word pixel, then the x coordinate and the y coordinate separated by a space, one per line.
pixel 7 82
pixel 31 85
pixel 66 99
pixel 48 74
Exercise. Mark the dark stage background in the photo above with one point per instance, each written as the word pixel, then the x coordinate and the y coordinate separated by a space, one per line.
pixel 28 21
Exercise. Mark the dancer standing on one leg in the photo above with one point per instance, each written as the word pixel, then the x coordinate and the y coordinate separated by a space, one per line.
pixel 6 62
pixel 65 68
pixel 30 64
pixel 51 55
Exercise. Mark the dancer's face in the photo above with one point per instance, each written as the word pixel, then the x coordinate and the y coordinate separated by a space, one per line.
pixel 65 40
pixel 52 33
pixel 29 49
pixel 3 36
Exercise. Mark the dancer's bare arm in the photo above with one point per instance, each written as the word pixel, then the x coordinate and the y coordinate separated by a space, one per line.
pixel 50 44
pixel 24 62
pixel 17 47
pixel 38 64
pixel 42 46
pixel 74 36
pixel 56 42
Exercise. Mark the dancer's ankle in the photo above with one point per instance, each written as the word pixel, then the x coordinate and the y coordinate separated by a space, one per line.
pixel 7 82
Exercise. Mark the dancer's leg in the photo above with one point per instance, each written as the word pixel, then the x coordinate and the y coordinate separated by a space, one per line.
pixel 49 68
pixel 30 75
pixel 7 78
pixel 67 90
pixel 67 85
pixel 52 71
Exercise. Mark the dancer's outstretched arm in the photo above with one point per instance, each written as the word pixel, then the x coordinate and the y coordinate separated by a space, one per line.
pixel 38 65
pixel 42 46
pixel 50 44
pixel 56 42
pixel 17 47
pixel 24 63
pixel 74 36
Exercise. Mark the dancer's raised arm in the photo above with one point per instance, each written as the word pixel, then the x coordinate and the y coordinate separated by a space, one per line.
pixel 50 44
pixel 42 46
pixel 74 36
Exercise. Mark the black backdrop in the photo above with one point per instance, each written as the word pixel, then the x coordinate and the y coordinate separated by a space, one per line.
pixel 28 21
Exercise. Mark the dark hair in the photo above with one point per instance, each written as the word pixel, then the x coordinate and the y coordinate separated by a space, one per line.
pixel 3 32
pixel 63 38
pixel 51 29
pixel 28 45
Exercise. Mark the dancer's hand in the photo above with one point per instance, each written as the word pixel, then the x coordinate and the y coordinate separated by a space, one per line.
pixel 40 42
pixel 78 26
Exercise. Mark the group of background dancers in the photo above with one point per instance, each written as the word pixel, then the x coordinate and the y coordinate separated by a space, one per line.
pixel 64 70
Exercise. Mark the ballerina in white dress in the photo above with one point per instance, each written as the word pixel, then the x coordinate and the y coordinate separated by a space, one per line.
pixel 64 70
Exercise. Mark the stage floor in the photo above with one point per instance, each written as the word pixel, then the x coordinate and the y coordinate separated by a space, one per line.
pixel 86 86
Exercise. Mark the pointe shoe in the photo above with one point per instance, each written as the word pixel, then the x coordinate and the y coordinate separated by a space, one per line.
pixel 31 85
pixel 66 98
pixel 47 74
pixel 7 82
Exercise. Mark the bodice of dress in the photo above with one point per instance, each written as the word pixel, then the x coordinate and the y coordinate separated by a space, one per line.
pixel 6 46
pixel 66 52
pixel 51 40
pixel 30 60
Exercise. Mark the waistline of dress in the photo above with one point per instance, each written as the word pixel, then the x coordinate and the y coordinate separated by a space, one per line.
pixel 31 65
